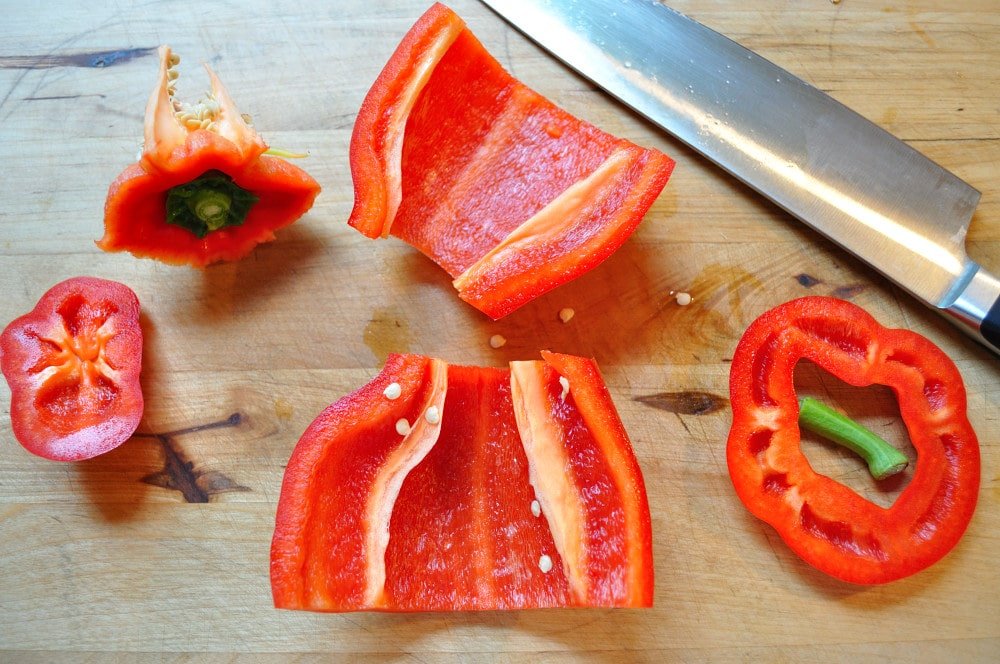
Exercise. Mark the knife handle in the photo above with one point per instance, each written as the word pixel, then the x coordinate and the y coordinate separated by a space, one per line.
pixel 977 309
pixel 990 327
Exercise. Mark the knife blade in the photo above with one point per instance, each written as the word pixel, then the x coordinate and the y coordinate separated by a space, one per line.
pixel 820 161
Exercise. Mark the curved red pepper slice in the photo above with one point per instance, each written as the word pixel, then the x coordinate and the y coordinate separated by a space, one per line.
pixel 508 193
pixel 830 526
pixel 73 366
pixel 177 150
pixel 462 530
pixel 583 404
pixel 339 487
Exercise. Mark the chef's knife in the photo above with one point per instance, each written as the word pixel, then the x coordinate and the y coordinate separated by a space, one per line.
pixel 822 162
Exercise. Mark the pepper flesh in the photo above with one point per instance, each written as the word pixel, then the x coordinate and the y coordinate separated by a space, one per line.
pixel 827 524
pixel 73 366
pixel 174 154
pixel 511 195
pixel 461 533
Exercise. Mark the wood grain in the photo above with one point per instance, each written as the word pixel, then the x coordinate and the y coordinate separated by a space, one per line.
pixel 160 548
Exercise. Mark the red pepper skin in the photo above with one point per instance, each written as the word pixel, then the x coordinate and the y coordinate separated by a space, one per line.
pixel 374 130
pixel 460 529
pixel 827 524
pixel 592 400
pixel 135 208
pixel 511 195
pixel 330 473
pixel 73 366
pixel 447 549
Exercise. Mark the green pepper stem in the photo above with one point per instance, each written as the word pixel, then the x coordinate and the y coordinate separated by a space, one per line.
pixel 212 207
pixel 210 202
pixel 883 459
pixel 287 154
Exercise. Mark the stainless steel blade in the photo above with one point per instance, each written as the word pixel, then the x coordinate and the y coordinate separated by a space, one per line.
pixel 825 164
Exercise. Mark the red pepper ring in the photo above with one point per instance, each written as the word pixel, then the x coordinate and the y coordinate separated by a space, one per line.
pixel 827 524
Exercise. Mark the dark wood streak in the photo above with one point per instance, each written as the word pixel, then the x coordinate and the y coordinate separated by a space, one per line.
pixel 62 97
pixel 179 474
pixel 849 291
pixel 807 280
pixel 96 59
pixel 692 402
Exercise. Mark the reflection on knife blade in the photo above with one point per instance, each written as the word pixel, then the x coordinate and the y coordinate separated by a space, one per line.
pixel 823 163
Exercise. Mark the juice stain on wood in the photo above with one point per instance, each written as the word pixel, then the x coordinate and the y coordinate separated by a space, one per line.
pixel 179 474
pixel 387 332
pixel 283 409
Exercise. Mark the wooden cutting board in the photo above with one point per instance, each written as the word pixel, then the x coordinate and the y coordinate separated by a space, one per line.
pixel 161 546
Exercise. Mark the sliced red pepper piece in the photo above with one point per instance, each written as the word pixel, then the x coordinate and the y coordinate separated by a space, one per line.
pixel 463 535
pixel 508 193
pixel 344 475
pixel 826 523
pixel 463 532
pixel 73 366
pixel 584 406
pixel 203 190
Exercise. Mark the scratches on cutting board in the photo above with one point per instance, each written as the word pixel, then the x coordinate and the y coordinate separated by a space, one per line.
pixel 63 97
pixel 196 485
pixel 95 59
pixel 692 402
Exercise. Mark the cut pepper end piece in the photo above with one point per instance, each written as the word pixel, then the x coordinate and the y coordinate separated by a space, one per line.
pixel 184 145
pixel 73 366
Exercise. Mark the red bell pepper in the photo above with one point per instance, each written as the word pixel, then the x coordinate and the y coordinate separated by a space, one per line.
pixel 830 526
pixel 438 487
pixel 508 193
pixel 73 365
pixel 203 190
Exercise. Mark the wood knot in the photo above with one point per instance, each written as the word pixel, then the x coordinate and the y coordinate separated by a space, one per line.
pixel 692 402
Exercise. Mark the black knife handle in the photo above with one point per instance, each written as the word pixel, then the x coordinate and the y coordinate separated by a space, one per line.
pixel 977 308
pixel 990 328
